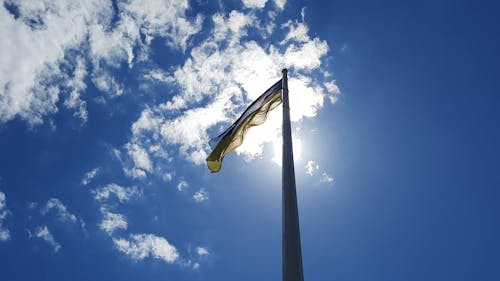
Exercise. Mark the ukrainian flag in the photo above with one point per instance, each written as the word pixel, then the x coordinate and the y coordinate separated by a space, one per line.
pixel 233 136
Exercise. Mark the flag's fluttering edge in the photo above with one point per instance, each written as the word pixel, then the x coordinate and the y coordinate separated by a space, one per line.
pixel 233 136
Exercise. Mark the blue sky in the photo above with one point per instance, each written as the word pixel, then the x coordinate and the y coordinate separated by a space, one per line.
pixel 106 108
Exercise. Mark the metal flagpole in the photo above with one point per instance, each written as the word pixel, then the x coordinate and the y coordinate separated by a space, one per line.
pixel 292 254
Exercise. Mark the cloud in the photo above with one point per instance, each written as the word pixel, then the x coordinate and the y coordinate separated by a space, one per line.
pixel 326 178
pixel 221 76
pixel 47 45
pixel 182 185
pixel 262 3
pixel 141 246
pixel 157 75
pixel 311 166
pixel 280 3
pixel 4 233
pixel 140 157
pixel 85 44
pixel 200 195
pixel 107 84
pixel 168 176
pixel 44 233
pixel 32 45
pixel 298 32
pixel 122 193
pixel 32 205
pixel 77 85
pixel 311 169
pixel 112 221
pixel 254 3
pixel 89 176
pixel 332 87
pixel 61 210
pixel 202 251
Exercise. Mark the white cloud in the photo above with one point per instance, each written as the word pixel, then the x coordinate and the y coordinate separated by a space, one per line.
pixel 45 234
pixel 45 36
pixel 200 195
pixel 147 121
pixel 2 201
pixel 141 246
pixel 332 87
pixel 163 18
pixel 30 54
pixel 326 178
pixel 232 28
pixel 176 103
pixel 140 157
pixel 182 185
pixel 202 251
pixel 222 75
pixel 107 84
pixel 77 85
pixel 112 221
pixel 89 176
pixel 158 75
pixel 311 167
pixel 280 4
pixel 4 233
pixel 333 91
pixel 306 56
pixel 168 176
pixel 61 210
pixel 298 32
pixel 134 172
pixel 254 3
pixel 122 193
pixel 262 3
pixel 32 205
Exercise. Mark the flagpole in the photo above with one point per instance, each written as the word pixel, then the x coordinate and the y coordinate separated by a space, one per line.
pixel 292 254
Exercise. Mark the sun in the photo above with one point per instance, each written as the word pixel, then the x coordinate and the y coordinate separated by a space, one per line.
pixel 278 150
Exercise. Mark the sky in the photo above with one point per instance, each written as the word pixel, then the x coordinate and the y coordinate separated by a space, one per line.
pixel 106 109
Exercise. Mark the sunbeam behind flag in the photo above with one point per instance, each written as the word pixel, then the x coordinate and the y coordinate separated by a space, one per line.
pixel 233 136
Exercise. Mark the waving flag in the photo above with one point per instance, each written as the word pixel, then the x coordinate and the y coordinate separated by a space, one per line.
pixel 233 136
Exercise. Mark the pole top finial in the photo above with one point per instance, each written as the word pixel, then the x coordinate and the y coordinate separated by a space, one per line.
pixel 284 71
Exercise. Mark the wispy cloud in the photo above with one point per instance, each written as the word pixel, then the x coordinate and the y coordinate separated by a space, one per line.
pixel 312 168
pixel 141 246
pixel 85 45
pixel 200 195
pixel 201 251
pixel 262 3
pixel 168 176
pixel 62 212
pixel 224 73
pixel 89 176
pixel 182 185
pixel 140 157
pixel 112 221
pixel 44 233
pixel 4 233
pixel 325 177
pixel 41 40
pixel 122 193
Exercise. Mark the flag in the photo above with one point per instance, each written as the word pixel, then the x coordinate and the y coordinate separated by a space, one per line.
pixel 233 136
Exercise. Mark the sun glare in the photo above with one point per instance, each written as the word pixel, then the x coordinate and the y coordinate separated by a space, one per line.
pixel 278 150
